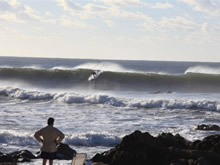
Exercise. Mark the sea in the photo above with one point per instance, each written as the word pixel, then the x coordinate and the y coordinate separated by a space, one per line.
pixel 96 113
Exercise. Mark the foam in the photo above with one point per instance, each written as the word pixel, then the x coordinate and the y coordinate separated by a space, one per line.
pixel 93 140
pixel 17 139
pixel 71 98
pixel 203 69
pixel 104 66
pixel 86 139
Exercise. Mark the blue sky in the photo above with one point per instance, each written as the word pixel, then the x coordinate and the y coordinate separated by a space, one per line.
pixel 177 30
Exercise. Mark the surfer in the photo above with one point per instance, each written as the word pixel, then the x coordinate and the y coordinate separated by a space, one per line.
pixel 93 73
pixel 50 137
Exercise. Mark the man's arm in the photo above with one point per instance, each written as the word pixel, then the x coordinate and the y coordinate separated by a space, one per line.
pixel 60 137
pixel 38 135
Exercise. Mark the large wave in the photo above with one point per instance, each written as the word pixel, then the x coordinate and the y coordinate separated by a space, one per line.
pixel 104 99
pixel 64 78
pixel 86 139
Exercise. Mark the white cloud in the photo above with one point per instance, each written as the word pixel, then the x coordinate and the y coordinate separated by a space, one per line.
pixel 49 14
pixel 70 22
pixel 208 6
pixel 163 5
pixel 15 11
pixel 110 23
pixel 69 5
pixel 179 23
pixel 93 10
pixel 133 3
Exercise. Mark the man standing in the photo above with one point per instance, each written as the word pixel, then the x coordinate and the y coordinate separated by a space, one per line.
pixel 49 136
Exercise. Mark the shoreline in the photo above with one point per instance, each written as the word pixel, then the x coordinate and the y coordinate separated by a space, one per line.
pixel 143 148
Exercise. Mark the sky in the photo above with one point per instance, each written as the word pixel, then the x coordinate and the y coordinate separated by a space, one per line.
pixel 164 30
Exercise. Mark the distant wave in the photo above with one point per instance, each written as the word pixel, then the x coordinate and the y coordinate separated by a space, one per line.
pixel 203 69
pixel 88 139
pixel 93 139
pixel 13 139
pixel 67 78
pixel 74 98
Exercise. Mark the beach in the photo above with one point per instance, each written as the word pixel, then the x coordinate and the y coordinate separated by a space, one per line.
pixel 150 96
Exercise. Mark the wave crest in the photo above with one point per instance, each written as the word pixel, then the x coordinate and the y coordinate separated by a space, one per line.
pixel 75 98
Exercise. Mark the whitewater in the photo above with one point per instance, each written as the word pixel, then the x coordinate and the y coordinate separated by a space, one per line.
pixel 152 96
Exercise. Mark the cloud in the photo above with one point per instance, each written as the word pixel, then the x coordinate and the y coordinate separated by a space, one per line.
pixel 134 3
pixel 71 22
pixel 163 5
pixel 208 6
pixel 179 23
pixel 69 5
pixel 49 14
pixel 93 10
pixel 110 23
pixel 15 11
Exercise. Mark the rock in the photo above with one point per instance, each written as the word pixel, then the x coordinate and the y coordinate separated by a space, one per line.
pixel 165 149
pixel 5 158
pixel 176 141
pixel 17 156
pixel 209 127
pixel 136 148
pixel 203 161
pixel 210 143
pixel 191 162
pixel 65 152
pixel 22 156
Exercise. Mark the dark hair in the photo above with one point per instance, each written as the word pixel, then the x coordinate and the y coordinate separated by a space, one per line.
pixel 50 121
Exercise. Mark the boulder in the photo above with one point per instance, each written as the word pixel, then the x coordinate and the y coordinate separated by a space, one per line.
pixel 65 152
pixel 5 158
pixel 209 143
pixel 209 127
pixel 165 149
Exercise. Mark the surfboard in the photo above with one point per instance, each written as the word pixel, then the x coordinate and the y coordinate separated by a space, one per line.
pixel 79 159
pixel 94 75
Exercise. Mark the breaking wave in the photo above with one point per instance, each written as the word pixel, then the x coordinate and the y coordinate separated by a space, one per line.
pixel 88 139
pixel 67 78
pixel 74 98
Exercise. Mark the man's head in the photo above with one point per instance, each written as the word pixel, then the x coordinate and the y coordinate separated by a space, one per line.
pixel 50 121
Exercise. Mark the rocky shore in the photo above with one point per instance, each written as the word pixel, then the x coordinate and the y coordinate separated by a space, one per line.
pixel 64 152
pixel 166 149
pixel 141 148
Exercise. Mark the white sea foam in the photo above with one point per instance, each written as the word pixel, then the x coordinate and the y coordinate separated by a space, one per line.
pixel 71 98
pixel 203 69
pixel 14 138
pixel 104 66
pixel 36 67
pixel 62 68
pixel 87 139
pixel 93 139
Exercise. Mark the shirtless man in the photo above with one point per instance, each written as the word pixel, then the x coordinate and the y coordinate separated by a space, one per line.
pixel 50 137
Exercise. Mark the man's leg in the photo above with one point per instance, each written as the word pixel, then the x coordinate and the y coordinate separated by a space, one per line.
pixel 44 161
pixel 50 162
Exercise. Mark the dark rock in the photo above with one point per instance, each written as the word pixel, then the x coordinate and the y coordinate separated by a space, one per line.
pixel 5 158
pixel 209 143
pixel 23 155
pixel 203 161
pixel 191 162
pixel 65 152
pixel 180 162
pixel 209 127
pixel 165 149
pixel 136 148
pixel 216 148
pixel 176 141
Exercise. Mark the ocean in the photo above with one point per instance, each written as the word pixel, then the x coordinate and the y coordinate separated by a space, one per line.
pixel 152 96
